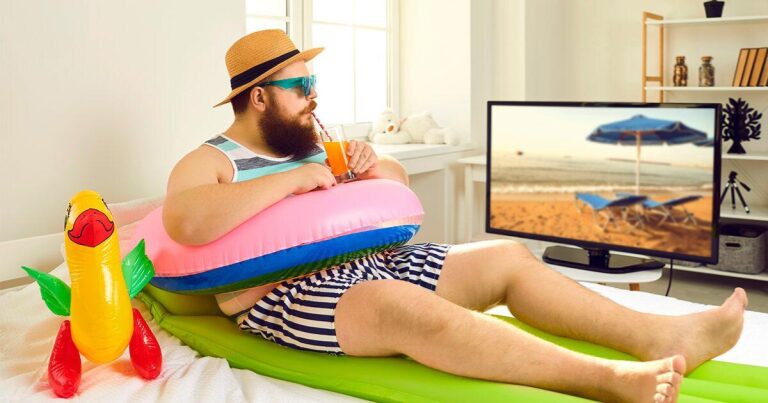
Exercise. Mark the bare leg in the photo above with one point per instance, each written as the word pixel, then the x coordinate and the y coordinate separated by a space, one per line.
pixel 388 317
pixel 484 274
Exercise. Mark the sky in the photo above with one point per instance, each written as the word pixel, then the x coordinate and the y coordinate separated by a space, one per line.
pixel 557 131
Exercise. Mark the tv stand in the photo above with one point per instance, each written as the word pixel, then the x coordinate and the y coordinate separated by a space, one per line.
pixel 596 259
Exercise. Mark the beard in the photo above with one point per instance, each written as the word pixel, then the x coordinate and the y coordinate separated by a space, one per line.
pixel 288 135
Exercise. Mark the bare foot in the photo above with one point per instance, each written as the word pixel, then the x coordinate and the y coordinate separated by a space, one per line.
pixel 702 336
pixel 652 381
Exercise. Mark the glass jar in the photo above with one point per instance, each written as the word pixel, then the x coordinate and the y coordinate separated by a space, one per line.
pixel 680 77
pixel 706 72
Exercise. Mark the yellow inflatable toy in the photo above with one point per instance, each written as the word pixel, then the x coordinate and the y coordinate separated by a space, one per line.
pixel 102 322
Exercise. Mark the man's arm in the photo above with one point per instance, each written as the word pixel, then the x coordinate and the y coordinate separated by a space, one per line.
pixel 387 168
pixel 198 209
pixel 367 165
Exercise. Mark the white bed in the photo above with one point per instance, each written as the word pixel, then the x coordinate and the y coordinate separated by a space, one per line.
pixel 27 331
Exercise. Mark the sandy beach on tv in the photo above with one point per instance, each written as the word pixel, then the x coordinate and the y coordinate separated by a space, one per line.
pixel 557 214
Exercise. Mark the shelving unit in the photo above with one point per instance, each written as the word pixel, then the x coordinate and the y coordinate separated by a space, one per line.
pixel 756 213
pixel 754 163
pixel 707 21
pixel 757 277
pixel 708 89
pixel 746 157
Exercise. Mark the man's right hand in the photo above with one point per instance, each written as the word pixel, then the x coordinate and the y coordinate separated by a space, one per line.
pixel 311 176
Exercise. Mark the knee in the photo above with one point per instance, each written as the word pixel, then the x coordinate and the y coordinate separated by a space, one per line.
pixel 510 249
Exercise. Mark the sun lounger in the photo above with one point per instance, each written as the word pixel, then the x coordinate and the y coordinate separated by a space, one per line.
pixel 666 208
pixel 607 208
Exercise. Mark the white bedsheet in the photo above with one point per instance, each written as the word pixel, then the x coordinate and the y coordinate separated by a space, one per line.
pixel 27 331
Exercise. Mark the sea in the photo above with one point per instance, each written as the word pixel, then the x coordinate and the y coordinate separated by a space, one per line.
pixel 513 174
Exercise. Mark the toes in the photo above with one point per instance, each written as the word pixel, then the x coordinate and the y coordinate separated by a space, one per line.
pixel 740 295
pixel 672 378
pixel 659 398
pixel 678 364
pixel 665 389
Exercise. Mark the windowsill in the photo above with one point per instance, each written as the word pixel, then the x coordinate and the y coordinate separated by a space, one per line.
pixel 409 151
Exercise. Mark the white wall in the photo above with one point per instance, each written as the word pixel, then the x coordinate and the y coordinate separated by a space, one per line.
pixel 590 50
pixel 435 61
pixel 435 76
pixel 104 95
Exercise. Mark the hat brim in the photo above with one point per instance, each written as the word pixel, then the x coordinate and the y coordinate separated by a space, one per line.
pixel 306 56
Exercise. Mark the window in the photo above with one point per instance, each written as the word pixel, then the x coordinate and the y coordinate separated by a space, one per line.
pixel 355 73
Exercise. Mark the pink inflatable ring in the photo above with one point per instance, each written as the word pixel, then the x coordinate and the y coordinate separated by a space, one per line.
pixel 296 236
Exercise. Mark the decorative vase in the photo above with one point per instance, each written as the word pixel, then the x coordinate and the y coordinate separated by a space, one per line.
pixel 706 72
pixel 680 76
pixel 714 8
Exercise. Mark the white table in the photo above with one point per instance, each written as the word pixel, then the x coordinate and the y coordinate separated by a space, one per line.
pixel 633 279
pixel 423 158
pixel 475 171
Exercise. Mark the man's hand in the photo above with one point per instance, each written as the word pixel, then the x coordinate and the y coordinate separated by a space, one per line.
pixel 311 176
pixel 361 157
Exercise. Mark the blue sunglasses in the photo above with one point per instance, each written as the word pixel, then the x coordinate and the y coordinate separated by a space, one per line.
pixel 307 83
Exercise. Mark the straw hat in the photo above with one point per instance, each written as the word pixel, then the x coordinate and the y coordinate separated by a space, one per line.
pixel 258 55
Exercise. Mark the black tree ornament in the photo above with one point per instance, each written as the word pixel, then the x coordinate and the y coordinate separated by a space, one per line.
pixel 740 123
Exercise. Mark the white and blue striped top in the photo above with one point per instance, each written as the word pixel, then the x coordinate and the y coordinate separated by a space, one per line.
pixel 249 165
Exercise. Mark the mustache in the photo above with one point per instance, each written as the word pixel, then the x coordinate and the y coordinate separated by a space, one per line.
pixel 311 107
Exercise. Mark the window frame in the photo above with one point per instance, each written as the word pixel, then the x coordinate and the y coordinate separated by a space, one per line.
pixel 300 21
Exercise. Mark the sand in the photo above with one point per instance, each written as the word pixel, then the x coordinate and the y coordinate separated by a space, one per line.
pixel 558 215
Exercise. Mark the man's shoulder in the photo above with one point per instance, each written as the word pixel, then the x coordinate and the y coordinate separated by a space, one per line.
pixel 208 159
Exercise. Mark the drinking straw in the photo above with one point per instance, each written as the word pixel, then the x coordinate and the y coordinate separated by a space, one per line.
pixel 322 127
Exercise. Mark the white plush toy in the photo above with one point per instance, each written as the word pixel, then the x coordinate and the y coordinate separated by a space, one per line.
pixel 423 129
pixel 386 130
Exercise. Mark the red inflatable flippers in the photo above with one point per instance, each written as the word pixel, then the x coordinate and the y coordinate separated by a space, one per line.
pixel 64 368
pixel 146 356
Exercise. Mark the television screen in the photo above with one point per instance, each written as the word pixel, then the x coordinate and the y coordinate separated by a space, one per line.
pixel 641 178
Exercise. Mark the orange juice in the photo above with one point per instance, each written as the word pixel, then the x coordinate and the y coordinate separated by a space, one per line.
pixel 337 156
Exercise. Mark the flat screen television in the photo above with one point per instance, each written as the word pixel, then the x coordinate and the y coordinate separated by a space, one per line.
pixel 639 178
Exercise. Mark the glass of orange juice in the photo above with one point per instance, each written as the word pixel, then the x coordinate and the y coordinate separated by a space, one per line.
pixel 336 149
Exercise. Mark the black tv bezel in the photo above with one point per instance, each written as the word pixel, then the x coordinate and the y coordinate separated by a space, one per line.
pixel 714 247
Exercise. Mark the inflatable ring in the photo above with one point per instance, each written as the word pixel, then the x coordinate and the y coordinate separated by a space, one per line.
pixel 296 236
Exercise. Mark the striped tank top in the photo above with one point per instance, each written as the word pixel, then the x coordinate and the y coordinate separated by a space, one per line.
pixel 250 165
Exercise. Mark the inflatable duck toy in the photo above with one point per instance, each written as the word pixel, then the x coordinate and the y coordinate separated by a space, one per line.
pixel 102 322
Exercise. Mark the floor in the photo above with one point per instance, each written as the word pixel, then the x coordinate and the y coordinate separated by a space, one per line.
pixel 707 289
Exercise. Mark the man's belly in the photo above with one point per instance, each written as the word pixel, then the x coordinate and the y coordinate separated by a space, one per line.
pixel 236 302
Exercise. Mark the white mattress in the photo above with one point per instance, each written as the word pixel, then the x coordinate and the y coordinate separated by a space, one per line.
pixel 27 331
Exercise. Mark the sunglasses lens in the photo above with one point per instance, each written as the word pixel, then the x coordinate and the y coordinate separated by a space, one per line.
pixel 308 83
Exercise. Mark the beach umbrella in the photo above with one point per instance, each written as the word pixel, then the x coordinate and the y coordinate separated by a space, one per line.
pixel 705 142
pixel 644 131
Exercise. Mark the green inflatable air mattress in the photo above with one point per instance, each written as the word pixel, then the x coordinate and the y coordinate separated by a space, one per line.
pixel 197 321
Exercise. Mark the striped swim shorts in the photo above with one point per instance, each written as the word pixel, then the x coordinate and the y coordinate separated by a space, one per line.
pixel 299 313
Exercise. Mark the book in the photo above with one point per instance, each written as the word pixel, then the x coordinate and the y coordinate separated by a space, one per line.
pixel 763 81
pixel 743 53
pixel 748 67
pixel 764 76
pixel 754 77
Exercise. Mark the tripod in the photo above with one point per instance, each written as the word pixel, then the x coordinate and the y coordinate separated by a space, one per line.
pixel 733 184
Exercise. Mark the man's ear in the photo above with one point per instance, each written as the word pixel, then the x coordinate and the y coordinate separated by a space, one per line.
pixel 257 98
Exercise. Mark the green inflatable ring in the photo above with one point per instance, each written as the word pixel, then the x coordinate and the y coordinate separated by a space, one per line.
pixel 197 321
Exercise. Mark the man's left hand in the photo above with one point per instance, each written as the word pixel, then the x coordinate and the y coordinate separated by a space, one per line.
pixel 361 157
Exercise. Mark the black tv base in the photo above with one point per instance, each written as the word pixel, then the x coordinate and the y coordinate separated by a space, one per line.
pixel 597 260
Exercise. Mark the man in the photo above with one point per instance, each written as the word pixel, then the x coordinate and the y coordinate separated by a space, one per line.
pixel 419 300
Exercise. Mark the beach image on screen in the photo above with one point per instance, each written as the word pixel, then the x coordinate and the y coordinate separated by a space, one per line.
pixel 633 177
